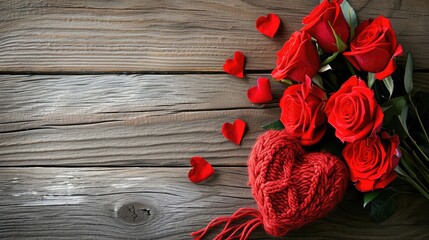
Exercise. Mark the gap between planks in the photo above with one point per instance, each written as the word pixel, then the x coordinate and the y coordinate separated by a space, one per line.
pixel 86 203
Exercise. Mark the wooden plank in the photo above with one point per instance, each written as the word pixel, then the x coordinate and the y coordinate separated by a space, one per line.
pixel 140 141
pixel 126 119
pixel 130 120
pixel 132 35
pixel 88 203
pixel 35 97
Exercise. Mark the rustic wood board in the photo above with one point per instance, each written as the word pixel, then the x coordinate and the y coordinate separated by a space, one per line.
pixel 50 97
pixel 85 203
pixel 158 141
pixel 129 120
pixel 133 120
pixel 79 152
pixel 153 36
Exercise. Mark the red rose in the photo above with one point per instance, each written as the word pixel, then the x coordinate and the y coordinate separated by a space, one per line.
pixel 374 47
pixel 372 161
pixel 297 58
pixel 353 111
pixel 317 25
pixel 302 113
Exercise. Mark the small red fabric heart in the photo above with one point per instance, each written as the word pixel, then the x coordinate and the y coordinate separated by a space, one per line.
pixel 234 132
pixel 235 66
pixel 268 25
pixel 261 93
pixel 201 170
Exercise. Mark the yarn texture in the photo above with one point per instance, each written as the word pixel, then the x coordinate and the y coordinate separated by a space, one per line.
pixel 291 187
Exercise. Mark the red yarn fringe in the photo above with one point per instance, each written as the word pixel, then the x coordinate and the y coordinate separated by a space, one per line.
pixel 238 231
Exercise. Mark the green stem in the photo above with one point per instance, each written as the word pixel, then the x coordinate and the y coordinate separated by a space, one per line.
pixel 411 181
pixel 418 117
pixel 418 164
pixel 418 148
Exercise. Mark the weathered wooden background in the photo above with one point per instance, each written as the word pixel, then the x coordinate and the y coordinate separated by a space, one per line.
pixel 103 103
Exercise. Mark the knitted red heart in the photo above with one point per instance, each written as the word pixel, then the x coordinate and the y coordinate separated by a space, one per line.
pixel 292 187
pixel 234 132
pixel 268 25
pixel 261 93
pixel 201 171
pixel 235 66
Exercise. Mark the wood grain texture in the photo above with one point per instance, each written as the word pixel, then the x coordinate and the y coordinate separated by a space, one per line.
pixel 35 97
pixel 153 141
pixel 126 119
pixel 113 150
pixel 147 36
pixel 83 203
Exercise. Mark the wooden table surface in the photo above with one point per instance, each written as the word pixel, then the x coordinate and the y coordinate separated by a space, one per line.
pixel 103 103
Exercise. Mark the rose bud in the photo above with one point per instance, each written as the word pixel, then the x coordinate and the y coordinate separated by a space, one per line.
pixel 374 47
pixel 297 58
pixel 319 22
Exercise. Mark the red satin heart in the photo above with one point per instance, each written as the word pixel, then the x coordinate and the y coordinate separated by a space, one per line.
pixel 201 170
pixel 261 93
pixel 268 25
pixel 235 66
pixel 234 132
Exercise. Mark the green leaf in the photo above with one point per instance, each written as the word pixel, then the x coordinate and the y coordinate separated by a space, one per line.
pixel 329 59
pixel 320 51
pixel 403 118
pixel 395 104
pixel 371 79
pixel 425 149
pixel 408 77
pixel 349 14
pixel 317 80
pixel 286 82
pixel 325 68
pixel 341 45
pixel 396 124
pixel 383 206
pixel 392 108
pixel 388 82
pixel 369 196
pixel 276 125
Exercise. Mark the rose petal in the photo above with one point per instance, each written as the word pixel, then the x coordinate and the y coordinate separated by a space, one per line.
pixel 390 68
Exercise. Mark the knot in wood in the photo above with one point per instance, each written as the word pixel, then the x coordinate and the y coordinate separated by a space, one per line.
pixel 134 213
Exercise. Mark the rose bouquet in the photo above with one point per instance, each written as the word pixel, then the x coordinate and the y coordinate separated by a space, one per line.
pixel 347 95
pixel 348 113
